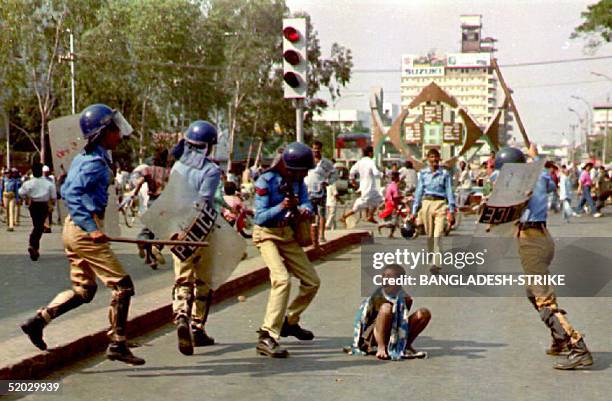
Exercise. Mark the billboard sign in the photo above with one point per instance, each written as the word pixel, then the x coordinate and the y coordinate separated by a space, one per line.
pixel 423 66
pixel 468 60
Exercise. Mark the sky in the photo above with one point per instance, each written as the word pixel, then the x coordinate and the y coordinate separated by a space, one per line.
pixel 379 32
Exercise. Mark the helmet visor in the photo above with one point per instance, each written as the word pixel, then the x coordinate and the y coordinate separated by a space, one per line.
pixel 124 126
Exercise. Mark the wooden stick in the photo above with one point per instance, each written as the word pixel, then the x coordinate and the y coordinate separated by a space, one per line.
pixel 157 241
pixel 511 100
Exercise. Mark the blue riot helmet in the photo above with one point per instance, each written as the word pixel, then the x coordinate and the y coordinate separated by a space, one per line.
pixel 96 117
pixel 298 156
pixel 408 230
pixel 201 134
pixel 509 155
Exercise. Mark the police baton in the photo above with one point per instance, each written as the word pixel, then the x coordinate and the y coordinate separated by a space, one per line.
pixel 158 242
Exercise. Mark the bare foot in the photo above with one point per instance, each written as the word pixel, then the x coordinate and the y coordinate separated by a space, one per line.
pixel 381 353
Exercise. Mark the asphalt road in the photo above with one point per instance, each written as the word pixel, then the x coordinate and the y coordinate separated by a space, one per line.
pixel 479 349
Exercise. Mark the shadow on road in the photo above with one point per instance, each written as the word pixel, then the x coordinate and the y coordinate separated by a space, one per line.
pixel 324 355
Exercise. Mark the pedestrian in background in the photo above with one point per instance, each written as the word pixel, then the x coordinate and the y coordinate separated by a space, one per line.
pixel 435 194
pixel 40 194
pixel 565 194
pixel 584 188
pixel 10 197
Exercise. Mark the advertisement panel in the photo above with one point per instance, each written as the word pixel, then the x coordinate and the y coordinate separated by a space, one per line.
pixel 468 60
pixel 430 65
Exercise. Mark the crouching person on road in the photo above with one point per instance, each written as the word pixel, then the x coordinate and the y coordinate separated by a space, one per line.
pixel 383 325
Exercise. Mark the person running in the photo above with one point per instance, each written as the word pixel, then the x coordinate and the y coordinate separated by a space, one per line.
pixel 40 193
pixel 370 197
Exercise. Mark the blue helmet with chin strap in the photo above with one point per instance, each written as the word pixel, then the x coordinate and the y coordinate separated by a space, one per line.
pixel 509 155
pixel 201 134
pixel 298 156
pixel 94 119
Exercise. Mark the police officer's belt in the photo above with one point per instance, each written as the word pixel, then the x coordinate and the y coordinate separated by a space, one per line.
pixel 433 197
pixel 539 225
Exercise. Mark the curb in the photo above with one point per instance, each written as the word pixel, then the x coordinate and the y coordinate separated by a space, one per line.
pixel 44 362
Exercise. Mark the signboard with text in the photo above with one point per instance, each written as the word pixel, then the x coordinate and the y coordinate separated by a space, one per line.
pixel 414 132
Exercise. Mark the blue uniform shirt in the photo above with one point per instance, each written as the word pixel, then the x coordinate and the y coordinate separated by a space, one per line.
pixel 85 190
pixel 202 174
pixel 436 183
pixel 537 208
pixel 268 198
pixel 12 185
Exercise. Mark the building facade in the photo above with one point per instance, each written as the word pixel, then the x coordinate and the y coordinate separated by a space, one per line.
pixel 467 76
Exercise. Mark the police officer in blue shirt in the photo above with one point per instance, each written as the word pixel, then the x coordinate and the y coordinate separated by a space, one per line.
pixel 536 251
pixel 192 295
pixel 436 200
pixel 85 193
pixel 280 198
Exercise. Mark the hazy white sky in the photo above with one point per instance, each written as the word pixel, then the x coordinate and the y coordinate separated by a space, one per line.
pixel 379 32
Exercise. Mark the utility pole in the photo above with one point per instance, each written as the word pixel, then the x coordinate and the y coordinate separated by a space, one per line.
pixel 72 83
pixel 299 120
pixel 605 139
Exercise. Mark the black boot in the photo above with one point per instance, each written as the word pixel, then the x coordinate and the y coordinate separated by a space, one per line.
pixel 183 332
pixel 269 346
pixel 33 327
pixel 200 337
pixel 296 331
pixel 579 356
pixel 119 351
pixel 558 347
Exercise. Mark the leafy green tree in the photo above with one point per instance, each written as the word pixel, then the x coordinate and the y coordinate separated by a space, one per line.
pixel 597 27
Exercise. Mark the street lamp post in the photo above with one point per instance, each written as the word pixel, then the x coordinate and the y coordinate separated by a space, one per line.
pixel 580 120
pixel 589 121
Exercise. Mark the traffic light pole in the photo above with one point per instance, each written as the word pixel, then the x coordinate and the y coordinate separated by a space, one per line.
pixel 299 120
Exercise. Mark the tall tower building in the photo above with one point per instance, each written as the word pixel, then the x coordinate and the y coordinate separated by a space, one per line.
pixel 467 76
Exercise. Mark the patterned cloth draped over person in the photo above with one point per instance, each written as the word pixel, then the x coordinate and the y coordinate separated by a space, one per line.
pixel 192 295
pixel 281 200
pixel 383 325
pixel 85 194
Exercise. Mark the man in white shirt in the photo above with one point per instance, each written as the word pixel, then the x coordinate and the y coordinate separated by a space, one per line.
pixel 370 197
pixel 409 176
pixel 40 192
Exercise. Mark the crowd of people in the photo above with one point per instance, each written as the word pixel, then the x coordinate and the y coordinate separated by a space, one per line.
pixel 294 203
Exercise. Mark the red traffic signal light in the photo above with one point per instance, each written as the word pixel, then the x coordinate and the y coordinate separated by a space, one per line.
pixel 291 34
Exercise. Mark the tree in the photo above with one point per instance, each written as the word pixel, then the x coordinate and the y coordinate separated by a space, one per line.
pixel 597 27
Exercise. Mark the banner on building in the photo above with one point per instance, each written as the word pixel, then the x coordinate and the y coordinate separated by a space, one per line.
pixel 468 60
pixel 414 132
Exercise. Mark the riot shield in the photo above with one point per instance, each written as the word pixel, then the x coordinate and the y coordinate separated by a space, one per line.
pixel 175 209
pixel 66 142
pixel 178 211
pixel 511 193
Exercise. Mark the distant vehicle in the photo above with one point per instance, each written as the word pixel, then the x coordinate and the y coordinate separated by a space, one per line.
pixel 349 146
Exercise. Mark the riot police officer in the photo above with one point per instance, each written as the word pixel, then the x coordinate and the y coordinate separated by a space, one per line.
pixel 536 251
pixel 192 294
pixel 85 193
pixel 280 198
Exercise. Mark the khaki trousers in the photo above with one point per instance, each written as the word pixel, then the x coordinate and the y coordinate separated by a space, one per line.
pixel 284 257
pixel 191 296
pixel 10 204
pixel 537 250
pixel 88 259
pixel 433 216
